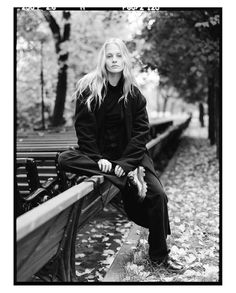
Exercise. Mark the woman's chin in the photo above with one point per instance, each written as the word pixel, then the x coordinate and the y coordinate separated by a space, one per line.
pixel 115 70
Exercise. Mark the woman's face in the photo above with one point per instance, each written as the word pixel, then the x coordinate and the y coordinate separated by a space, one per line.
pixel 114 59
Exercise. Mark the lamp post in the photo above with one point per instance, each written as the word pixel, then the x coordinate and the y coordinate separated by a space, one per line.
pixel 42 86
pixel 42 37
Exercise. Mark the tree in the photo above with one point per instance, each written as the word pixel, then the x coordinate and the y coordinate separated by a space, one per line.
pixel 30 33
pixel 60 40
pixel 185 47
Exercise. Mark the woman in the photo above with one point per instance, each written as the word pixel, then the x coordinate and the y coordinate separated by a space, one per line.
pixel 112 127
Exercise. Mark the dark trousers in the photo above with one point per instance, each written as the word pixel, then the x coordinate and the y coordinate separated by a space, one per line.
pixel 151 213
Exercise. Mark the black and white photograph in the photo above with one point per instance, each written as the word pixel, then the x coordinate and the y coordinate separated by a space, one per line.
pixel 118 145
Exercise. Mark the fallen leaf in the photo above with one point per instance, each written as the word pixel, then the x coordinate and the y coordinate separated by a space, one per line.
pixel 107 261
pixel 177 220
pixel 87 271
pixel 109 251
pixel 105 239
pixel 182 227
pixel 191 258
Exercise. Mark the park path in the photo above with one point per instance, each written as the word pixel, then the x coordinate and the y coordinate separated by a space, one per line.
pixel 191 181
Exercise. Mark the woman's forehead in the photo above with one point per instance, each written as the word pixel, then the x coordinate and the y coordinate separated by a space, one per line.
pixel 112 48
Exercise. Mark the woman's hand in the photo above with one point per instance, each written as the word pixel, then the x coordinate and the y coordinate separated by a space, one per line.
pixel 119 171
pixel 104 165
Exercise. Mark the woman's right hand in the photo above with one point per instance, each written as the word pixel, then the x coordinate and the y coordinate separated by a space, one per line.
pixel 104 165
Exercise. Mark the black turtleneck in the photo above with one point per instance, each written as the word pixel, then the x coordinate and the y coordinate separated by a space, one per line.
pixel 114 123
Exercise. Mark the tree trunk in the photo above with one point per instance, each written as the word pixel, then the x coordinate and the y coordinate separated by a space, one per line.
pixel 59 106
pixel 165 104
pixel 211 110
pixel 218 107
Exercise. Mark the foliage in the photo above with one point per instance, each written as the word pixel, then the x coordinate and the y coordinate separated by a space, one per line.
pixel 184 46
pixel 31 29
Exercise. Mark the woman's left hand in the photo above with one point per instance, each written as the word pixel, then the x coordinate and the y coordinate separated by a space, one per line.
pixel 119 171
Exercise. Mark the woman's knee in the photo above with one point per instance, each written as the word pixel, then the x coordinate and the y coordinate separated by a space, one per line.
pixel 159 196
pixel 156 192
pixel 63 159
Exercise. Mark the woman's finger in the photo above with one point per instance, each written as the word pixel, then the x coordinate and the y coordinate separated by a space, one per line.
pixel 100 166
pixel 116 170
pixel 105 167
pixel 119 171
pixel 109 168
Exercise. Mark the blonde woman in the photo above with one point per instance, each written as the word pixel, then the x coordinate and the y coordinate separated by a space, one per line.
pixel 112 127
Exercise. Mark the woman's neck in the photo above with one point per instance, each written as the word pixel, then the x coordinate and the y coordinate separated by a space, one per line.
pixel 114 78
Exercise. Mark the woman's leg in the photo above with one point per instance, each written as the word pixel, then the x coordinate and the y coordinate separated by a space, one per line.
pixel 76 162
pixel 152 213
pixel 157 209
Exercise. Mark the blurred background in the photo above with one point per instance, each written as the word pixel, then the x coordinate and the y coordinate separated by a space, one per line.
pixel 176 56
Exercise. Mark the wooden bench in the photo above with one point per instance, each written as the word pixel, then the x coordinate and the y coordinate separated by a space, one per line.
pixel 46 234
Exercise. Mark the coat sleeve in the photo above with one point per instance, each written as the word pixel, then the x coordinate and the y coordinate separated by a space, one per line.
pixel 136 147
pixel 85 127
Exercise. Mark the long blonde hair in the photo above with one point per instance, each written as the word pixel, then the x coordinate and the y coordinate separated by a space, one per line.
pixel 96 81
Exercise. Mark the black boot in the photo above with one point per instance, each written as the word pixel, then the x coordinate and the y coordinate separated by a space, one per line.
pixel 169 264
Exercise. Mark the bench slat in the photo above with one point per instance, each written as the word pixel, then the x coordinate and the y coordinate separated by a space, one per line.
pixel 47 155
pixel 49 148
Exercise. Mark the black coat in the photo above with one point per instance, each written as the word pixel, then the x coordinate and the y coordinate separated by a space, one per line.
pixel 89 130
